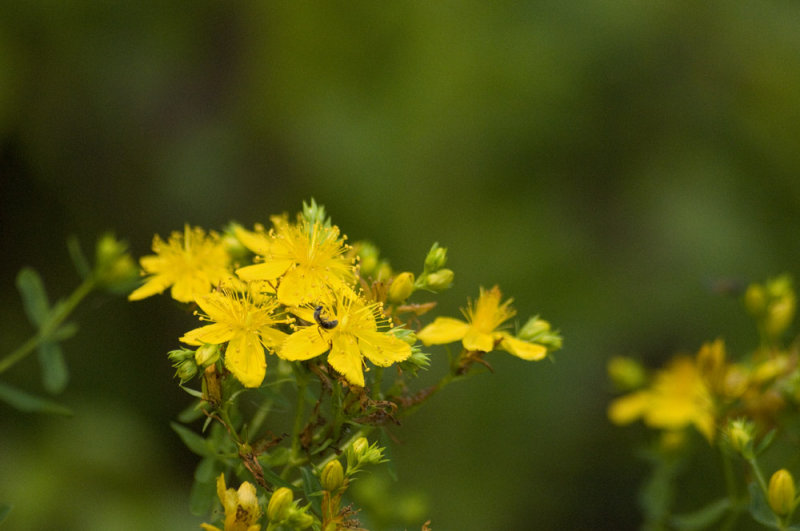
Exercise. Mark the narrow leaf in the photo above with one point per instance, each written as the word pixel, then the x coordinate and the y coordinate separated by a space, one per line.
pixel 206 470
pixel 702 518
pixel 193 441
pixel 759 508
pixel 30 403
pixel 275 480
pixel 312 489
pixel 78 258
pixel 65 331
pixel 55 374
pixel 4 510
pixel 766 441
pixel 34 297
pixel 203 498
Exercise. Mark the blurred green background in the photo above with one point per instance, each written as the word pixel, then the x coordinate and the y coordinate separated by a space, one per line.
pixel 606 163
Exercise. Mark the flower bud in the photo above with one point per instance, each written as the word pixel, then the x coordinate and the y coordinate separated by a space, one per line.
pixel 436 258
pixel 626 373
pixel 739 434
pixel 368 256
pixel 538 331
pixel 299 519
pixel 206 355
pixel 114 268
pixel 279 504
pixel 755 299
pixel 781 492
pixel 332 476
pixel 186 370
pixel 440 280
pixel 402 287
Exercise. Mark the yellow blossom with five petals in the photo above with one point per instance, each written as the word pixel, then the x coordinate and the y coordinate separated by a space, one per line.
pixel 482 330
pixel 247 326
pixel 191 262
pixel 307 259
pixel 678 397
pixel 354 336
pixel 242 511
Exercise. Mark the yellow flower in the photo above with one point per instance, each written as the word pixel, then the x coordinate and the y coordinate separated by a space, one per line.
pixel 241 507
pixel 677 398
pixel 307 258
pixel 191 262
pixel 349 329
pixel 245 326
pixel 481 331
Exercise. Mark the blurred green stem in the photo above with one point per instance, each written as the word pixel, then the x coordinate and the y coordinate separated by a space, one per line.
pixel 57 316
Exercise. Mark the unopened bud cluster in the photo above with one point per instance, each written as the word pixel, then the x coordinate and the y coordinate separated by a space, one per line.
pixel 435 277
pixel 282 510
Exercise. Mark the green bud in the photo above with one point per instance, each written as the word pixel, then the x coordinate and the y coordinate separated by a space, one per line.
pixel 186 370
pixel 279 504
pixel 626 373
pixel 739 434
pixel 781 492
pixel 299 519
pixel 538 331
pixel 369 258
pixel 383 271
pixel 440 280
pixel 401 288
pixel 207 355
pixel 332 476
pixel 755 299
pixel 436 258
pixel 362 453
pixel 114 268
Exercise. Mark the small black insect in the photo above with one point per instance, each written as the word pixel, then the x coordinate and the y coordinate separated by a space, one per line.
pixel 324 323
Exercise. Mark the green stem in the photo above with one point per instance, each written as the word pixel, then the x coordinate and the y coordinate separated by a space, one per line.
pixel 302 383
pixel 759 477
pixel 60 313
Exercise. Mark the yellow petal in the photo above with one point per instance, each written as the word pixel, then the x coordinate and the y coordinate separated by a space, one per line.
pixel 302 285
pixel 245 358
pixel 221 488
pixel 628 408
pixel 152 263
pixel 214 333
pixel 187 288
pixel 209 527
pixel 443 330
pixel 153 286
pixel 265 271
pixel 304 344
pixel 345 358
pixel 272 338
pixel 258 242
pixel 523 349
pixel 382 349
pixel 477 340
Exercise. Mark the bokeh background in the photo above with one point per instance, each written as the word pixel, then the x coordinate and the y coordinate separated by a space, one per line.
pixel 606 163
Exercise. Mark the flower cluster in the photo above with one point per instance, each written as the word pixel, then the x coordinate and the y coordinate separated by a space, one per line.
pixel 737 404
pixel 295 311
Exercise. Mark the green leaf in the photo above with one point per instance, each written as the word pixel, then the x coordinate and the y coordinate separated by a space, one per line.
pixel 193 441
pixel 275 480
pixel 207 470
pixel 759 508
pixel 31 403
pixel 78 258
pixel 203 498
pixel 191 413
pixel 312 488
pixel 65 331
pixel 702 518
pixel 55 374
pixel 766 441
pixel 34 297
pixel 4 510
